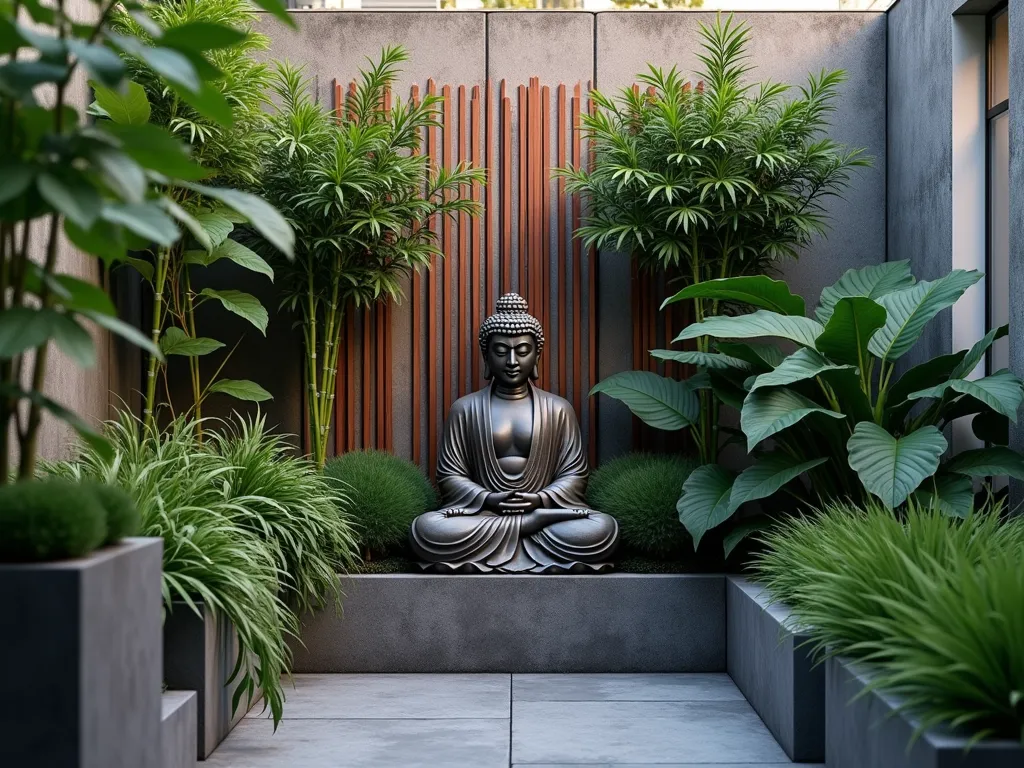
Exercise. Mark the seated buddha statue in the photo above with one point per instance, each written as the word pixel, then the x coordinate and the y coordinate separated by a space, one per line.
pixel 512 470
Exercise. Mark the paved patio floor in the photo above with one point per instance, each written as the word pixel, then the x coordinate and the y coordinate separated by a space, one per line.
pixel 498 721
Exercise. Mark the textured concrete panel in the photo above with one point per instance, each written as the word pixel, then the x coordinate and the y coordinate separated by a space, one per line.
pixel 614 623
pixel 81 661
pixel 785 47
pixel 384 696
pixel 920 180
pixel 867 731
pixel 425 743
pixel 1017 221
pixel 199 655
pixel 598 732
pixel 178 729
pixel 774 669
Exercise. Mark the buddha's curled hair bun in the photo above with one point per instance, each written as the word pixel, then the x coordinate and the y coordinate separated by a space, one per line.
pixel 512 318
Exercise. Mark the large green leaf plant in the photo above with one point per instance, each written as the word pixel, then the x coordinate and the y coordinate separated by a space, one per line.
pixel 725 179
pixel 359 193
pixel 226 134
pixel 105 187
pixel 828 405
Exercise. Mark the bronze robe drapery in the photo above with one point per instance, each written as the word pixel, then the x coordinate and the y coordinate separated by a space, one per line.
pixel 556 469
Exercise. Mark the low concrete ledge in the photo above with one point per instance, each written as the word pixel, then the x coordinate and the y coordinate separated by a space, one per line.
pixel 866 730
pixel 509 623
pixel 773 668
pixel 178 724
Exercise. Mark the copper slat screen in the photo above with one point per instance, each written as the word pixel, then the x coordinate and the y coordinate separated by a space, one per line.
pixel 519 133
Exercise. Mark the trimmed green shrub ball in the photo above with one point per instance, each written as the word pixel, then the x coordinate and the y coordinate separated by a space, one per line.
pixel 51 519
pixel 386 494
pixel 122 514
pixel 640 490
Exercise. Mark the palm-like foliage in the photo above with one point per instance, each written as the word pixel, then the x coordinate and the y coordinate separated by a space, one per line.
pixel 359 194
pixel 932 603
pixel 721 180
pixel 231 152
pixel 718 180
pixel 256 534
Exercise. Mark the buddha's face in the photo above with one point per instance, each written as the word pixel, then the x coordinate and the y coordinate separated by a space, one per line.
pixel 511 359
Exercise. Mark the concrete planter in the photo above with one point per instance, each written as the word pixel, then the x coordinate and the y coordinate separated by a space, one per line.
pixel 868 731
pixel 200 655
pixel 770 664
pixel 80 660
pixel 510 623
pixel 178 730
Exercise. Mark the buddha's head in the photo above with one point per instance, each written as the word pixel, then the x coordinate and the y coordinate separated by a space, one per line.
pixel 511 341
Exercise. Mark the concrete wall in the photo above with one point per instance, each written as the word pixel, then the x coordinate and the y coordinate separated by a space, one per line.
pixel 607 48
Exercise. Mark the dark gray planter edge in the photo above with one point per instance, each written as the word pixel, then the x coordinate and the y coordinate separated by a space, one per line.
pixel 771 664
pixel 865 729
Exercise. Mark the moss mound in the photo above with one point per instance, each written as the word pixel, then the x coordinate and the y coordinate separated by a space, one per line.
pixel 640 490
pixel 386 494
pixel 53 519
pixel 123 517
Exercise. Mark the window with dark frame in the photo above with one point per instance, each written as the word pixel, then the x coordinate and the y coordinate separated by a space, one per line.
pixel 998 192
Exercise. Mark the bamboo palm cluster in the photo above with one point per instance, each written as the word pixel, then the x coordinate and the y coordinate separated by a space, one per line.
pixel 230 151
pixel 359 195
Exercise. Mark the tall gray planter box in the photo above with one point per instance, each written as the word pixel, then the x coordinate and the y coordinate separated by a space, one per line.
pixel 511 623
pixel 200 655
pixel 866 730
pixel 80 660
pixel 768 660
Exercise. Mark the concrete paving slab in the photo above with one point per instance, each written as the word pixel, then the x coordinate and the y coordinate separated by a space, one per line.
pixel 649 687
pixel 396 697
pixel 459 743
pixel 640 732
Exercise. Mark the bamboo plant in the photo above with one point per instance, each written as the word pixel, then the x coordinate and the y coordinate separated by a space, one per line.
pixel 231 154
pixel 359 194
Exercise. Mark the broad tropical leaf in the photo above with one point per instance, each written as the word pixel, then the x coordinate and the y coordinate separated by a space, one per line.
pixel 910 309
pixel 952 494
pixel 853 322
pixel 771 410
pixel 893 468
pixel 232 251
pixel 661 402
pixel 763 356
pixel 928 374
pixel 756 290
pixel 977 352
pixel 176 342
pixel 125 106
pixel 263 217
pixel 801 365
pixel 1002 391
pixel 242 304
pixel 871 282
pixel 742 530
pixel 705 500
pixel 767 475
pixel 802 330
pixel 241 389
pixel 987 462
pixel 718 362
pixel 216 226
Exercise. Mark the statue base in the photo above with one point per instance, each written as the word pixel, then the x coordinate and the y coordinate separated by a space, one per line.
pixel 618 622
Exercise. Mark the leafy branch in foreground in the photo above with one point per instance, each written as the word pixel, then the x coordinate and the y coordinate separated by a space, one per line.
pixel 359 194
pixel 103 187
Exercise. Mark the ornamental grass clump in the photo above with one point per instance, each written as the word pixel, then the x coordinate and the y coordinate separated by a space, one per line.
pixel 640 491
pixel 386 493
pixel 933 604
pixel 253 533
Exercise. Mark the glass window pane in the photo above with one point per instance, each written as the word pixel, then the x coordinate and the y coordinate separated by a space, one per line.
pixel 999 236
pixel 999 60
